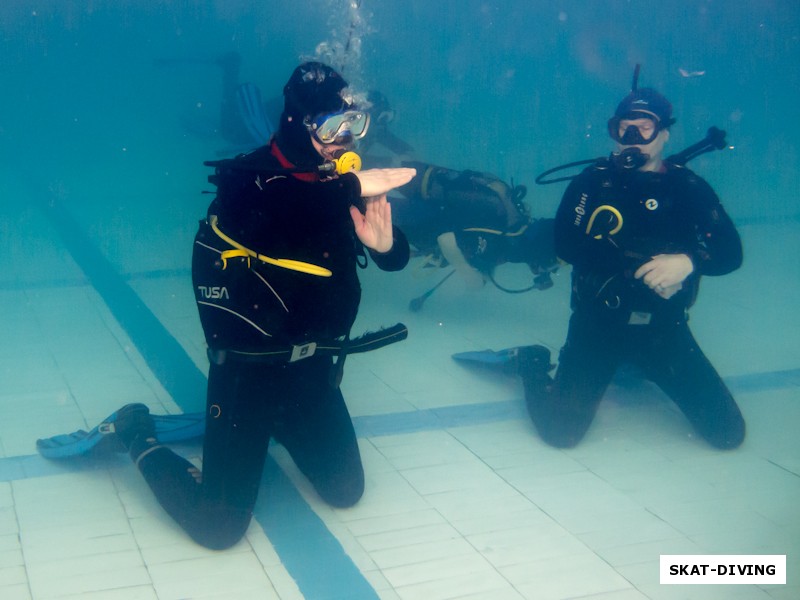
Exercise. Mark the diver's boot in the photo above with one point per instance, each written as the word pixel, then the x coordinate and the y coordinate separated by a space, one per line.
pixel 533 363
pixel 136 430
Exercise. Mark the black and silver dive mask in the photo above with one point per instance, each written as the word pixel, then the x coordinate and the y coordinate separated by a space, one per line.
pixel 633 130
pixel 339 127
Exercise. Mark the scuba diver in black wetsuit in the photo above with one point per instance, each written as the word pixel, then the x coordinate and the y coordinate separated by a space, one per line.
pixel 639 231
pixel 274 271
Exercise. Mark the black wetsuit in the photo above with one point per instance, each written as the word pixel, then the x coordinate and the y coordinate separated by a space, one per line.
pixel 610 222
pixel 249 306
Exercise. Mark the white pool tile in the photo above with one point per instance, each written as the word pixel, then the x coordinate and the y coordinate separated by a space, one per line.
pixel 12 575
pixel 88 574
pixel 506 519
pixel 416 553
pixel 235 573
pixel 409 536
pixel 508 547
pixel 396 522
pixel 643 552
pixel 446 568
pixel 141 592
pixel 486 583
pixel 458 506
pixel 481 511
pixel 555 578
pixel 15 592
pixel 450 477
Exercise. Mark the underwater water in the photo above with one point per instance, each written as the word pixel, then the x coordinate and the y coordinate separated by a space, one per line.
pixel 108 110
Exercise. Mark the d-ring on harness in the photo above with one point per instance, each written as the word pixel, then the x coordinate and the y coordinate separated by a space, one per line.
pixel 597 211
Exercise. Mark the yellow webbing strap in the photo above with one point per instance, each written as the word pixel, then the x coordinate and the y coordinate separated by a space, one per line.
pixel 226 254
pixel 284 263
pixel 519 231
pixel 426 177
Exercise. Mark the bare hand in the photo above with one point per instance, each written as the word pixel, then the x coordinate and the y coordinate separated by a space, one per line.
pixel 665 273
pixel 374 227
pixel 376 182
pixel 668 292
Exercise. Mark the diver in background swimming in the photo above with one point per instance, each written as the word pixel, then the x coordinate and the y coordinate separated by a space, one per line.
pixel 639 233
pixel 474 222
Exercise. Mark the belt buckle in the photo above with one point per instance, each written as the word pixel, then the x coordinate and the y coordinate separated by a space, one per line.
pixel 302 351
pixel 639 318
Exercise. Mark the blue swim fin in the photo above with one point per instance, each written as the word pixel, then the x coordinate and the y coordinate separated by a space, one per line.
pixel 169 428
pixel 251 111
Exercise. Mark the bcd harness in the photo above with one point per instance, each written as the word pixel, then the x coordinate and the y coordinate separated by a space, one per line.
pixel 365 343
pixel 241 251
pixel 295 352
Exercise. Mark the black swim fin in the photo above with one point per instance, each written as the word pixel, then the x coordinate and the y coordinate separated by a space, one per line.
pixel 169 428
pixel 522 360
pixel 504 360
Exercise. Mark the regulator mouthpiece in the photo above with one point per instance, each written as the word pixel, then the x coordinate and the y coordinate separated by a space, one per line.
pixel 629 159
pixel 348 161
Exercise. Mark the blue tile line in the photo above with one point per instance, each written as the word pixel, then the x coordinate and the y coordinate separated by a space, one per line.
pixel 309 552
pixel 434 419
pixel 761 382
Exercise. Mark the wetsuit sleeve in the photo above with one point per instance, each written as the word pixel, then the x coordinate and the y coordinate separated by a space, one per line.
pixel 396 258
pixel 573 243
pixel 719 248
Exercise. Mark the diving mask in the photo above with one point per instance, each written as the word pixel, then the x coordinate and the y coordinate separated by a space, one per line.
pixel 637 129
pixel 339 128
